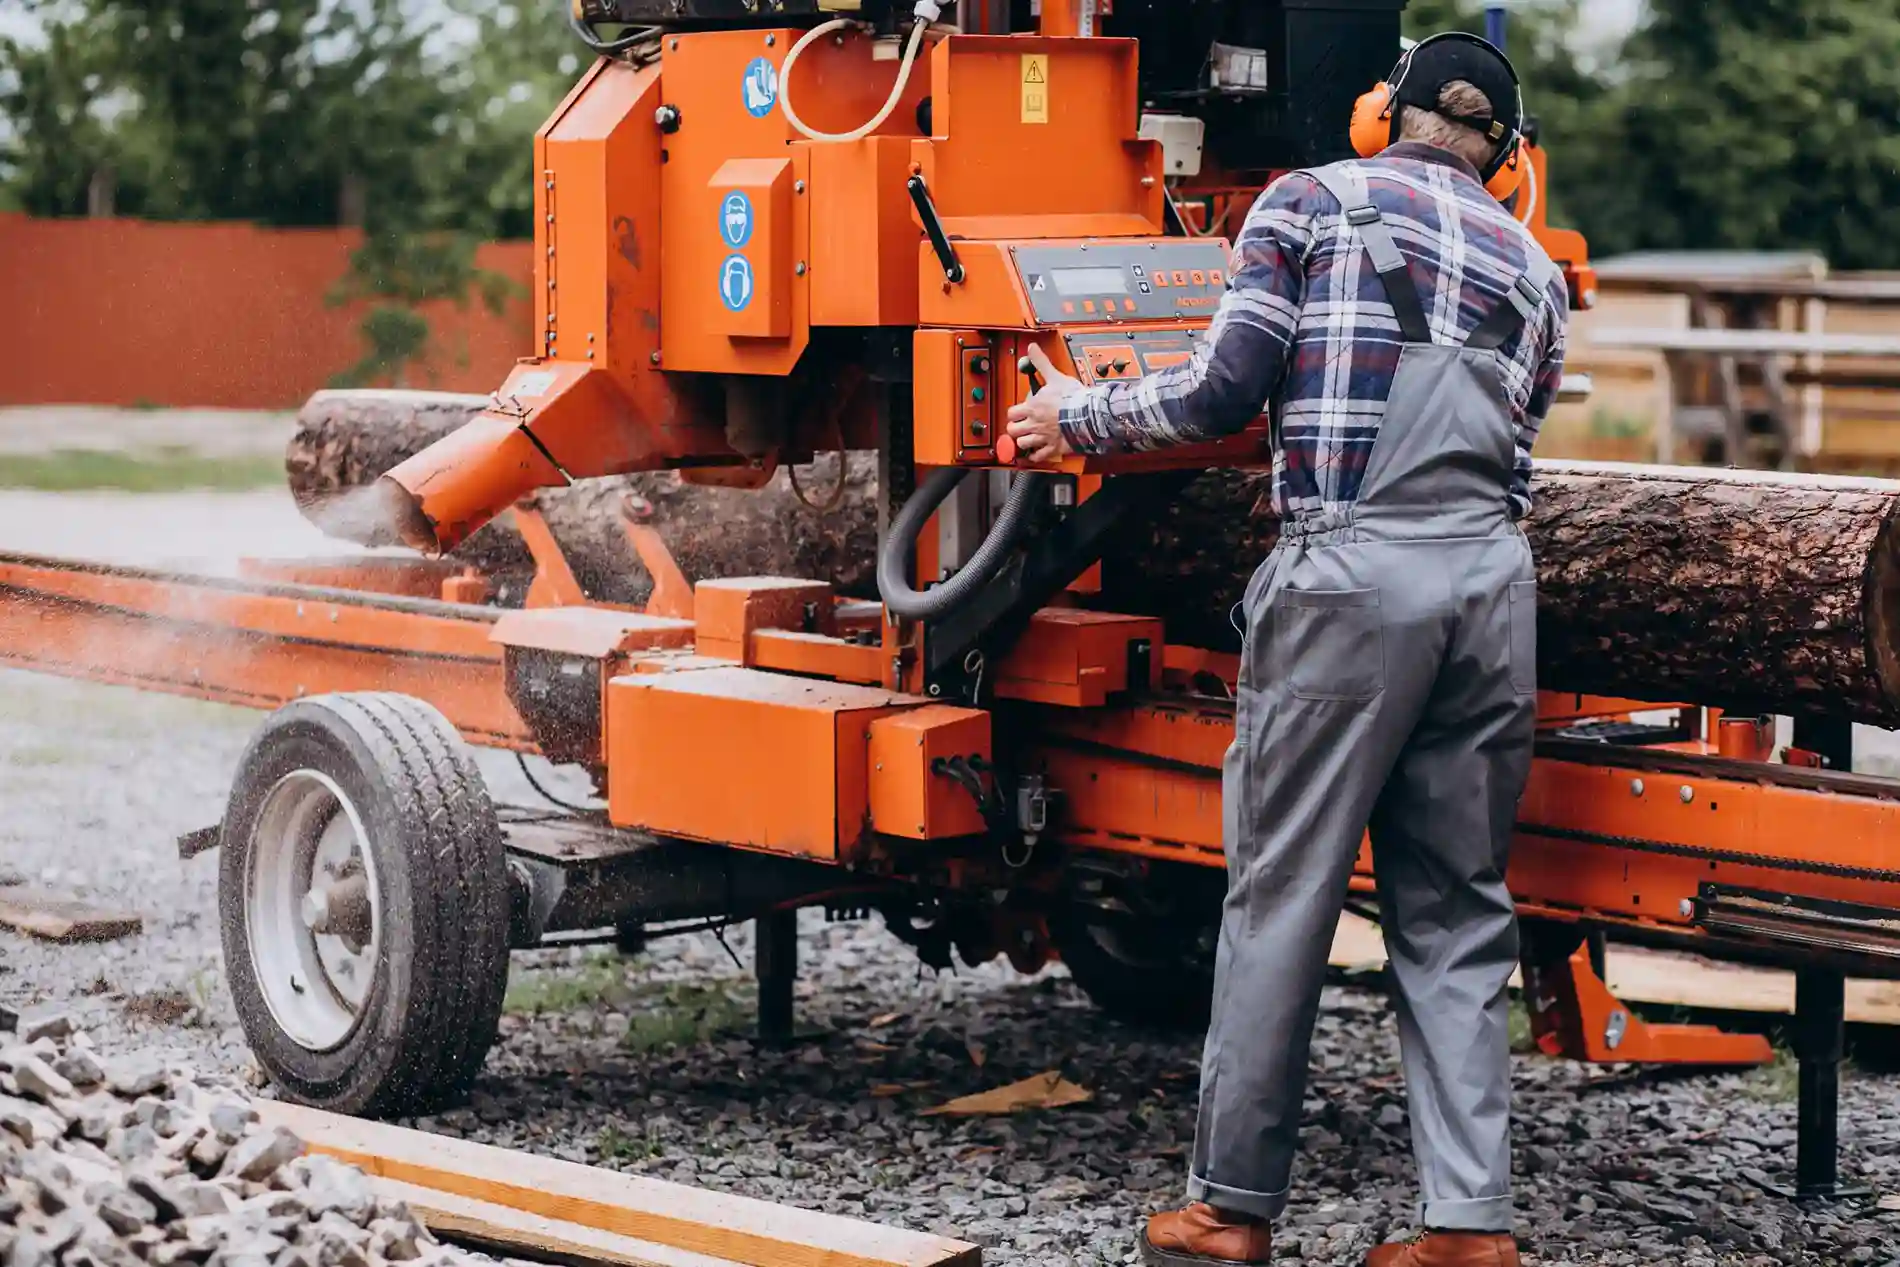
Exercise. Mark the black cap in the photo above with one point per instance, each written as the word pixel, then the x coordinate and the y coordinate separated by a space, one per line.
pixel 1432 63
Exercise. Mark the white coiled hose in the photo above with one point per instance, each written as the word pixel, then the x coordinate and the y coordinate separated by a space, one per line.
pixel 926 13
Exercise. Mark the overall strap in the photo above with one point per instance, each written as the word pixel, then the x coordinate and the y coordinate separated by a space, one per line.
pixel 1522 299
pixel 1347 183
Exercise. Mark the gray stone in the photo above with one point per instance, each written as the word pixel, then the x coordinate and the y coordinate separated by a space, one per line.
pixel 125 1212
pixel 39 1080
pixel 198 1197
pixel 80 1067
pixel 132 1144
pixel 230 1118
pixel 34 1026
pixel 134 1075
pixel 257 1156
pixel 208 1154
pixel 161 1193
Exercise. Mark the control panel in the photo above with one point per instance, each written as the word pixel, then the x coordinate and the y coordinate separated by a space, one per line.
pixel 1084 283
pixel 1113 356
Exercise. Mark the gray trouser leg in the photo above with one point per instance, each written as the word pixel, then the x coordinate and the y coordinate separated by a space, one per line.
pixel 1336 677
pixel 1440 836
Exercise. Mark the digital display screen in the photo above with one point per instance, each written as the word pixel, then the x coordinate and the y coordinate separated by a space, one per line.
pixel 1089 281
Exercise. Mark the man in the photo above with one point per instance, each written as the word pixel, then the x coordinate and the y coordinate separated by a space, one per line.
pixel 1407 333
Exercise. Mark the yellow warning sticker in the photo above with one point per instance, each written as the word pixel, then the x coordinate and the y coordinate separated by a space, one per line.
pixel 1035 87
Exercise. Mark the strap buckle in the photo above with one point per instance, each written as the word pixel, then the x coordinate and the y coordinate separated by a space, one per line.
pixel 1362 215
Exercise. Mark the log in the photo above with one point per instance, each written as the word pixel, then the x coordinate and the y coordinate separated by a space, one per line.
pixel 1747 590
pixel 347 439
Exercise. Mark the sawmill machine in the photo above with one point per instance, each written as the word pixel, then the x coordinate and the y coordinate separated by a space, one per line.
pixel 767 229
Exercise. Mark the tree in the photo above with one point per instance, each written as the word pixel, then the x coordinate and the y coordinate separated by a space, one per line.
pixel 1753 124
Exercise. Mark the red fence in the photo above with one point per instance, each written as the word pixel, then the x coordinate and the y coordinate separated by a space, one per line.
pixel 128 312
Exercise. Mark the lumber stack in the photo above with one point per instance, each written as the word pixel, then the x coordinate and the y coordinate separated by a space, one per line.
pixel 1744 590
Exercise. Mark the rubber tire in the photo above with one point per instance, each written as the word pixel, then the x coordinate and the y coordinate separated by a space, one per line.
pixel 1170 996
pixel 435 1005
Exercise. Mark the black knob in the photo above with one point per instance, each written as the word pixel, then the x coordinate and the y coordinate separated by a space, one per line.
pixel 981 365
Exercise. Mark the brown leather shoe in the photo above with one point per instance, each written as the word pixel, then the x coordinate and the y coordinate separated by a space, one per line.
pixel 1200 1236
pixel 1448 1249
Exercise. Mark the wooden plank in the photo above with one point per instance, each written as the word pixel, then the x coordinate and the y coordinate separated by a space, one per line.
pixel 1665 979
pixel 54 918
pixel 742 1230
pixel 498 1229
pixel 1746 342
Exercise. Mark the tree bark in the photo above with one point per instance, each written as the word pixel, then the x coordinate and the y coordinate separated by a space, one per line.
pixel 1739 589
pixel 1747 590
pixel 347 439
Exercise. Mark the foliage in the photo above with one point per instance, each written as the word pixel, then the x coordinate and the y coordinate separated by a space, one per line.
pixel 1725 124
pixel 1742 124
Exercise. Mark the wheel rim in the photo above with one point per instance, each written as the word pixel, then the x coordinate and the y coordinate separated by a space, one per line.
pixel 314 913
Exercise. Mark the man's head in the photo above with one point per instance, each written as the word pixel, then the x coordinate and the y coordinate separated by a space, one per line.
pixel 1454 91
pixel 1443 128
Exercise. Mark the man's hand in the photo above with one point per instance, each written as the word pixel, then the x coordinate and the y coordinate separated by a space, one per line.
pixel 1033 424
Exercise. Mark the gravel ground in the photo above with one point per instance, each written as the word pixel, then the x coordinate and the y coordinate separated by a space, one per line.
pixel 644 1064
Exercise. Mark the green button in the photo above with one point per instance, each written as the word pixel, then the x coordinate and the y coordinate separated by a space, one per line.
pixel 976 393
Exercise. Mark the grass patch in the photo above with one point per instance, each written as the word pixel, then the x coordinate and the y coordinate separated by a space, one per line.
pixel 618 1145
pixel 1519 1027
pixel 681 1015
pixel 553 991
pixel 162 470
pixel 658 1016
pixel 1777 1083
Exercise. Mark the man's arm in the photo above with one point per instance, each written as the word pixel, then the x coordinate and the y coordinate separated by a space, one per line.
pixel 1550 376
pixel 1227 383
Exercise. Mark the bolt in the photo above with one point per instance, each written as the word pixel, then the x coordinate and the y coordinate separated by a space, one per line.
pixel 653 357
pixel 1686 908
pixel 590 354
pixel 590 338
pixel 935 689
pixel 771 40
pixel 1687 793
pixel 550 322
pixel 674 47
pixel 1147 182
pixel 799 268
pixel 1636 787
pixel 550 217
pixel 798 186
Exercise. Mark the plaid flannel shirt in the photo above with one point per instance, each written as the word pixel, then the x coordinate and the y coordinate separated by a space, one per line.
pixel 1305 330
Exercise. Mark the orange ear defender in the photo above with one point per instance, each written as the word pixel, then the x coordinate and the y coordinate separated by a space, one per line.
pixel 1375 115
pixel 1372 121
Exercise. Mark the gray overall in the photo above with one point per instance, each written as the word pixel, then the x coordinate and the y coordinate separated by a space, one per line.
pixel 1387 681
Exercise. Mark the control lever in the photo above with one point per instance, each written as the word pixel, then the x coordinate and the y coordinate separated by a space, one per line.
pixel 933 229
pixel 1006 444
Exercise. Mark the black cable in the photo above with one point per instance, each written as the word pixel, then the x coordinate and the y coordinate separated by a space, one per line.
pixel 546 795
pixel 593 41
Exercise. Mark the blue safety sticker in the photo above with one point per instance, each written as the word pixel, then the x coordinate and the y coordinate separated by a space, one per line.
pixel 735 219
pixel 761 87
pixel 735 282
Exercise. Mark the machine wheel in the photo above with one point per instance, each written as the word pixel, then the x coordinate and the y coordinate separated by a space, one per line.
pixel 363 900
pixel 1149 972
